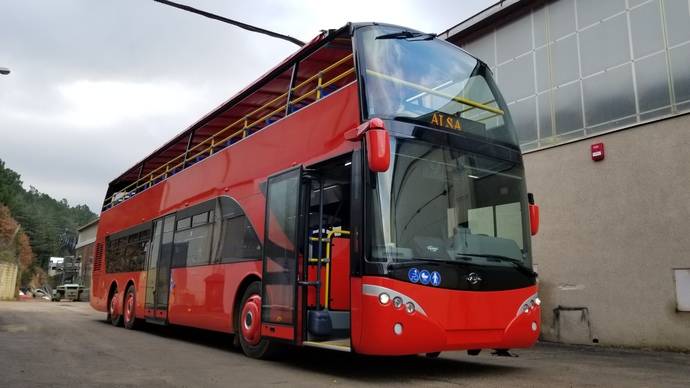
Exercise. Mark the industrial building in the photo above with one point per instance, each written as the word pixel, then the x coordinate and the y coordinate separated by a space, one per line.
pixel 85 249
pixel 600 94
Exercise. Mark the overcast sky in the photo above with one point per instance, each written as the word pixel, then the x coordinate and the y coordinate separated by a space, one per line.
pixel 96 85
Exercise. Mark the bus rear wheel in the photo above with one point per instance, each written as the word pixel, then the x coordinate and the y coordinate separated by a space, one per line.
pixel 114 314
pixel 130 319
pixel 248 327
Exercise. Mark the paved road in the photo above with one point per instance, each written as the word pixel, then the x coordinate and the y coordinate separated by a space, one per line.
pixel 70 345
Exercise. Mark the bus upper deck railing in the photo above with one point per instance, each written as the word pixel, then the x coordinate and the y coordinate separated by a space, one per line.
pixel 235 131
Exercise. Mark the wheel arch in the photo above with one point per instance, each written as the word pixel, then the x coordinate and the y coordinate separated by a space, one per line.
pixel 111 291
pixel 236 308
pixel 130 282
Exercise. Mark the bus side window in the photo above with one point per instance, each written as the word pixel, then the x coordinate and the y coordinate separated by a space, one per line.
pixel 192 241
pixel 239 240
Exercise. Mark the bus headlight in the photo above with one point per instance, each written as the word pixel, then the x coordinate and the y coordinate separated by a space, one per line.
pixel 531 304
pixel 397 302
pixel 384 298
pixel 409 307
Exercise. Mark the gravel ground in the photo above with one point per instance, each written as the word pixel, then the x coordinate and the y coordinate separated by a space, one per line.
pixel 68 344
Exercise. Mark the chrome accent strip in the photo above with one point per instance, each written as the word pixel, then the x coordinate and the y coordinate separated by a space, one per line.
pixel 373 290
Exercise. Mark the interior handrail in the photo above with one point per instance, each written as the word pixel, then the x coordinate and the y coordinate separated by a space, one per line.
pixel 462 100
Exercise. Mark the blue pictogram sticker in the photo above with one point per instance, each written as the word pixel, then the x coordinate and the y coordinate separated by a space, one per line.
pixel 413 275
pixel 424 277
pixel 435 279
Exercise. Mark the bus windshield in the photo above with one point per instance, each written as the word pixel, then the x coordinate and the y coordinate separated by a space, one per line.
pixel 411 76
pixel 439 203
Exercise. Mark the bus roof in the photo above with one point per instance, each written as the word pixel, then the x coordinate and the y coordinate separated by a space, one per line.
pixel 214 119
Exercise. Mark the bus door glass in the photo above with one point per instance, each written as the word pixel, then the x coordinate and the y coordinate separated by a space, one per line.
pixel 152 268
pixel 279 310
pixel 158 271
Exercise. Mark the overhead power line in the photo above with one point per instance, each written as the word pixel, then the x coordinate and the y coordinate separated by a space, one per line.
pixel 246 26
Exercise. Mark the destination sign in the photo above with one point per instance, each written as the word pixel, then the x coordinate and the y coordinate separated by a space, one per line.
pixel 446 121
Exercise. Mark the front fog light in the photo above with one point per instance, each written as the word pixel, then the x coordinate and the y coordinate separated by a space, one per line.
pixel 397 302
pixel 384 298
pixel 398 328
pixel 409 307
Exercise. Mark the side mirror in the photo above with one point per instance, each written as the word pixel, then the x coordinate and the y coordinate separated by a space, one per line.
pixel 378 150
pixel 533 214
pixel 377 143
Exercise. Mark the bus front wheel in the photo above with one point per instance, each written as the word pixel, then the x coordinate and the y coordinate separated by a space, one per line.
pixel 248 327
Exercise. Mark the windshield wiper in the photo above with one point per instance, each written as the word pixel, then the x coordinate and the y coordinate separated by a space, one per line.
pixel 518 264
pixel 408 35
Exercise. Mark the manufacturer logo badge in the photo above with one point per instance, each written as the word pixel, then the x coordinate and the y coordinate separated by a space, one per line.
pixel 473 278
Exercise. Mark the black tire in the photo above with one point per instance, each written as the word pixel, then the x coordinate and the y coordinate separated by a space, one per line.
pixel 433 355
pixel 264 349
pixel 129 318
pixel 114 314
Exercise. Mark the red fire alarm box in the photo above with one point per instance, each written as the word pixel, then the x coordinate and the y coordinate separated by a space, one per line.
pixel 598 152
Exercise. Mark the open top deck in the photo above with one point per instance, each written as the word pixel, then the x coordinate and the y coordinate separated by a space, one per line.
pixel 322 66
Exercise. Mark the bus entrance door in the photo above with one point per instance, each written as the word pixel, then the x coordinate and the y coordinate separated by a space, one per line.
pixel 280 312
pixel 158 270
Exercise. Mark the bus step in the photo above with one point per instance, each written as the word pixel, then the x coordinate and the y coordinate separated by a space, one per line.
pixel 341 344
pixel 160 322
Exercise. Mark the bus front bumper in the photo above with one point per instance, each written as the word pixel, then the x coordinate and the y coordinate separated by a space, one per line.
pixel 442 319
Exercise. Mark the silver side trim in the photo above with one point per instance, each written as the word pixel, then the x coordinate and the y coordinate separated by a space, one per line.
pixel 373 290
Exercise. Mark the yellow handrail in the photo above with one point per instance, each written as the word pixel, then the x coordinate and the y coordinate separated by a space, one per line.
pixel 165 169
pixel 421 88
pixel 327 260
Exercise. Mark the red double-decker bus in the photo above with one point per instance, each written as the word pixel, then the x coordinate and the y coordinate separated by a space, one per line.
pixel 367 194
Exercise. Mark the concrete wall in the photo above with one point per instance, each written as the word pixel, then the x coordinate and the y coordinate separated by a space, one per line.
pixel 87 234
pixel 8 280
pixel 611 234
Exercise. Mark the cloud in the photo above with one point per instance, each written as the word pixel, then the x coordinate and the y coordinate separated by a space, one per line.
pixel 98 85
pixel 87 104
pixel 107 103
